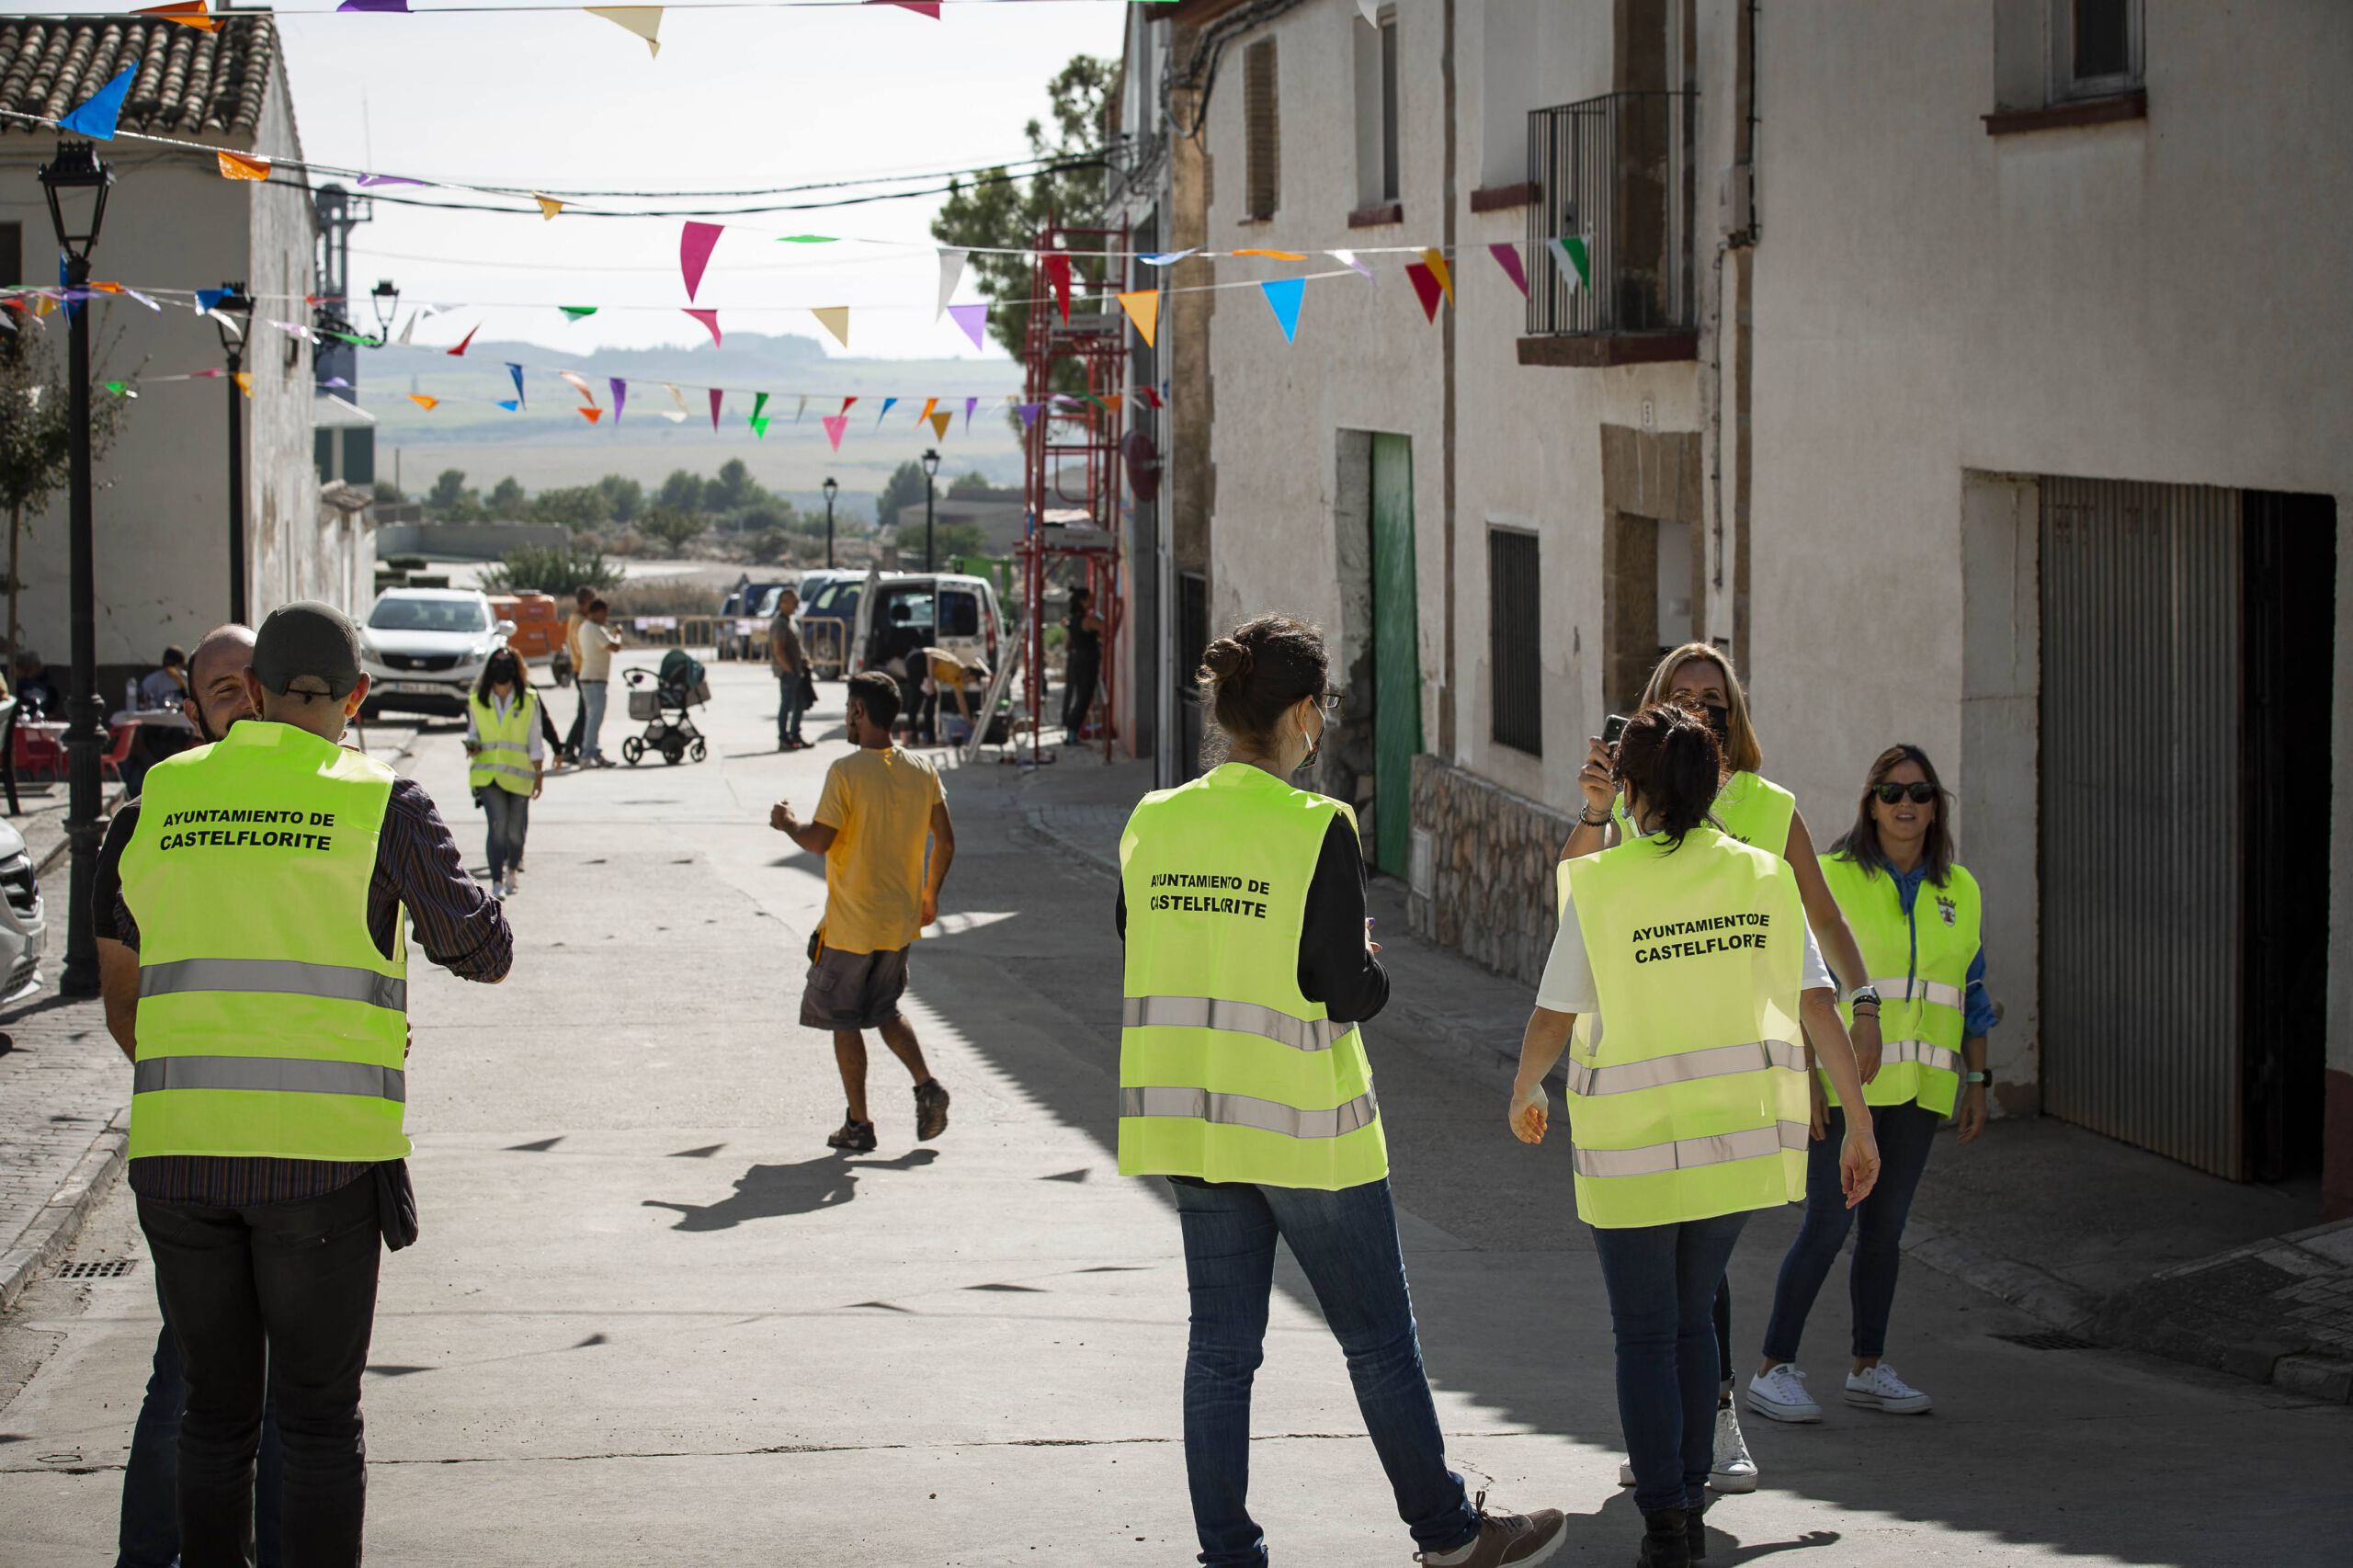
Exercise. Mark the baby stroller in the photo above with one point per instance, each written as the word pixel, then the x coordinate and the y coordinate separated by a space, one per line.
pixel 659 700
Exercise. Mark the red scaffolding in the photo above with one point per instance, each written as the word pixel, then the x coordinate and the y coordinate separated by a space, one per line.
pixel 1076 359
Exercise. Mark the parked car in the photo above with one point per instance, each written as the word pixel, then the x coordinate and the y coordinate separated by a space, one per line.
pixel 538 629
pixel 828 617
pixel 909 611
pixel 424 648
pixel 24 924
pixel 751 601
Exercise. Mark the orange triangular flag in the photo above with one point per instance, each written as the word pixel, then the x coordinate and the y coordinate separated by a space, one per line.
pixel 236 165
pixel 1277 254
pixel 940 422
pixel 1436 261
pixel 187 13
pixel 425 403
pixel 835 320
pixel 549 205
pixel 590 414
pixel 645 21
pixel 244 380
pixel 108 288
pixel 1144 309
pixel 1113 402
pixel 928 405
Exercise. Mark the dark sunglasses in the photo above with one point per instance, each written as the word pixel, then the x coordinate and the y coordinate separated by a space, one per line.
pixel 1889 794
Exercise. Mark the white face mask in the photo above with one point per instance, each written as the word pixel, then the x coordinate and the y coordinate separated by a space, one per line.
pixel 1314 748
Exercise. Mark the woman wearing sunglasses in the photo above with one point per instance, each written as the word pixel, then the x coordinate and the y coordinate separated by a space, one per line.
pixel 1916 915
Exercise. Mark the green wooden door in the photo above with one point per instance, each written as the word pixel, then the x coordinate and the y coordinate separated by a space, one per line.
pixel 1396 653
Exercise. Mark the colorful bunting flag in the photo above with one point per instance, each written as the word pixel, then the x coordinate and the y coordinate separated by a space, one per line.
pixel 186 13
pixel 969 403
pixel 1283 296
pixel 928 405
pixel 460 350
pixel 1142 306
pixel 1426 287
pixel 678 397
pixel 577 313
pixel 807 239
pixel 517 371
pixel 1348 258
pixel 396 7
pixel 579 384
pixel 695 242
pixel 921 8
pixel 939 425
pixel 760 426
pixel 1506 257
pixel 244 380
pixel 1029 412
pixel 710 320
pixel 718 396
pixel 1167 257
pixel 591 413
pixel 1371 11
pixel 887 404
pixel 409 327
pixel 1435 259
pixel 645 21
pixel 96 115
pixel 549 205
pixel 845 403
pixel 1576 258
pixel 121 389
pixel 803 409
pixel 1152 396
pixel 208 299
pixel 1275 255
pixel 1058 273
pixel 367 182
pixel 511 405
pixel 236 165
pixel 620 396
pixel 951 267
pixel 835 320
pixel 974 320
pixel 835 425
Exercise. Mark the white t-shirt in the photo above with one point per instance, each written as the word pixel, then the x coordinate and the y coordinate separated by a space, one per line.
pixel 1568 984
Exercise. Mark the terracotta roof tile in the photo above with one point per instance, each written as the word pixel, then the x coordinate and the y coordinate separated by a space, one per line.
pixel 188 82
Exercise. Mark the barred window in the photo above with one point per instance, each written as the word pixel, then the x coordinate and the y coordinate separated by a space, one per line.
pixel 1263 144
pixel 1514 641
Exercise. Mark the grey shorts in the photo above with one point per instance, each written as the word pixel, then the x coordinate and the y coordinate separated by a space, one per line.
pixel 854 991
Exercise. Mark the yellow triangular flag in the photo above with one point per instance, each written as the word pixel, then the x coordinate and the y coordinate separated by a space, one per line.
pixel 244 380
pixel 425 403
pixel 236 165
pixel 549 205
pixel 645 21
pixel 835 320
pixel 940 422
pixel 1436 261
pixel 1144 309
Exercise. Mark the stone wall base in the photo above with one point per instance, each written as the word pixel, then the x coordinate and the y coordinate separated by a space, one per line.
pixel 1483 861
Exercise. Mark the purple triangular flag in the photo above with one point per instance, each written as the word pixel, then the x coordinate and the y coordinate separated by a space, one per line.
pixel 969 403
pixel 974 320
pixel 400 5
pixel 620 396
pixel 1029 412
pixel 1506 257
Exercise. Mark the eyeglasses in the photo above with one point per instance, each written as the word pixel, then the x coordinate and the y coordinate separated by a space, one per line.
pixel 1921 794
pixel 1329 703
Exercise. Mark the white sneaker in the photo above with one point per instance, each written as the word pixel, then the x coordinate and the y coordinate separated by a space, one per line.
pixel 1780 1395
pixel 1733 1469
pixel 1878 1388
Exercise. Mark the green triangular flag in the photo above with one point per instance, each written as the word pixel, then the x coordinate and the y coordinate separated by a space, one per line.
pixel 577 313
pixel 1576 261
pixel 759 424
pixel 120 388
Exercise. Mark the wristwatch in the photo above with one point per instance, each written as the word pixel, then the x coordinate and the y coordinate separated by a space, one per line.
pixel 1986 1078
pixel 1863 993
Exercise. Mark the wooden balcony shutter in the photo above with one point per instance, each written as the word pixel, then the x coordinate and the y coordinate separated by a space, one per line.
pixel 1263 171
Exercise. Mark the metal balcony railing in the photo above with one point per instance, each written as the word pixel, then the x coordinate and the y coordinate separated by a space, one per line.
pixel 1615 171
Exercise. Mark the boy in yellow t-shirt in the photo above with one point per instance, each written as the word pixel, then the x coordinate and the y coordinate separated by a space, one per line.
pixel 881 809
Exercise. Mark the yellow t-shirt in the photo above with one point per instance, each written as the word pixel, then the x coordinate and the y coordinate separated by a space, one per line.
pixel 878 801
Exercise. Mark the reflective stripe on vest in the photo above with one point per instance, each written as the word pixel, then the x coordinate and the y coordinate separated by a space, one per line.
pixel 1684 1067
pixel 283 977
pixel 1899 1051
pixel 1233 1018
pixel 1693 1154
pixel 269 1075
pixel 1242 1110
pixel 504 745
pixel 1900 990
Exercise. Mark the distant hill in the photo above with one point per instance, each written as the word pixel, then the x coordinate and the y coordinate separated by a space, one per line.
pixel 548 444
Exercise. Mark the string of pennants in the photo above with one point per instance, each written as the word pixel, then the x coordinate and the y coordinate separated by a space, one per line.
pixel 645 21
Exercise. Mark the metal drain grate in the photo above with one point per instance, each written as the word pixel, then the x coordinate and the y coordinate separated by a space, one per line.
pixel 112 1269
pixel 2047 1340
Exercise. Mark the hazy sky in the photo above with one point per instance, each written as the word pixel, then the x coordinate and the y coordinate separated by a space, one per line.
pixel 737 99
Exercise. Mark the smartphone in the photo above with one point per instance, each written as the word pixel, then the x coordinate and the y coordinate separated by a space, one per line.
pixel 1611 728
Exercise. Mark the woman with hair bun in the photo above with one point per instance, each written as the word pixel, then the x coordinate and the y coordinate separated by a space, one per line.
pixel 1244 1082
pixel 1691 1110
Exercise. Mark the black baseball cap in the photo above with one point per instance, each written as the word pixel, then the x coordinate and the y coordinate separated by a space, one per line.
pixel 311 643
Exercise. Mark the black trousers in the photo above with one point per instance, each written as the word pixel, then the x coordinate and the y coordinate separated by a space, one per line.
pixel 1078 690
pixel 288 1287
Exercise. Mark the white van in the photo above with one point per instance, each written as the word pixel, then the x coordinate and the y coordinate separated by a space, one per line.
pixel 905 612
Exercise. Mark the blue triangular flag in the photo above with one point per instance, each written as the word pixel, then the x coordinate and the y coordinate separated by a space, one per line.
pixel 1284 294
pixel 97 114
pixel 207 299
pixel 512 405
pixel 886 411
pixel 517 371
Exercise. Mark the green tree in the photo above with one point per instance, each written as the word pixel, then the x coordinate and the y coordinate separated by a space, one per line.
pixel 770 545
pixel 388 494
pixel 733 490
pixel 448 491
pixel 682 492
pixel 903 488
pixel 36 430
pixel 575 506
pixel 548 569
pixel 507 498
pixel 974 484
pixel 624 496
pixel 1001 213
pixel 947 540
pixel 675 529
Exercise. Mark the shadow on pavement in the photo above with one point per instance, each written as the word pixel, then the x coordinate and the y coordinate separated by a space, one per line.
pixel 771 1192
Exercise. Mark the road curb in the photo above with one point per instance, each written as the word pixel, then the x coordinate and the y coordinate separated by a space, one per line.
pixel 60 1220
pixel 2034 1291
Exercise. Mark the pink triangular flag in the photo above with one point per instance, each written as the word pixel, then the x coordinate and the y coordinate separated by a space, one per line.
pixel 1506 257
pixel 695 242
pixel 1058 274
pixel 921 8
pixel 710 319
pixel 1426 284
pixel 974 320
pixel 835 425
pixel 717 395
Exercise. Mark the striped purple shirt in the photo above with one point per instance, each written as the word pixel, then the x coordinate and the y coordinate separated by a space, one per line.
pixel 456 924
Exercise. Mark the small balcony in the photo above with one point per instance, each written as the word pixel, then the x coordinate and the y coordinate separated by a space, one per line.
pixel 1615 171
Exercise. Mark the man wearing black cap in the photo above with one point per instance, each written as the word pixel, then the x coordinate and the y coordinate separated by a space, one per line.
pixel 264 890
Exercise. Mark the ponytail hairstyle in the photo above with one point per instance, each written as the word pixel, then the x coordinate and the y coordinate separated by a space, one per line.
pixel 1669 757
pixel 1253 675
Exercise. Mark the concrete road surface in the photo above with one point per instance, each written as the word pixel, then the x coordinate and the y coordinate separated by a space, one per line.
pixel 652 1320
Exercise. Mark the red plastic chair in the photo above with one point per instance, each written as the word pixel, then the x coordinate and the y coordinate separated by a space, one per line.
pixel 38 754
pixel 110 765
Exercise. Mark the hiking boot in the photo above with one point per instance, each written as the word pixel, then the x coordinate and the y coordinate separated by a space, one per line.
pixel 855 1137
pixel 1695 1533
pixel 1513 1538
pixel 1666 1541
pixel 931 1110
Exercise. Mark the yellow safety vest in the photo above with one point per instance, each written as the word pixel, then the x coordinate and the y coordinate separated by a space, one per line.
pixel 1750 807
pixel 268 1022
pixel 1921 972
pixel 505 758
pixel 1227 1070
pixel 1689 1100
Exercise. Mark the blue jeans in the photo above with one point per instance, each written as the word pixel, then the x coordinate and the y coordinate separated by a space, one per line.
pixel 788 712
pixel 592 721
pixel 1661 1281
pixel 149 1534
pixel 1346 1243
pixel 510 819
pixel 1905 1132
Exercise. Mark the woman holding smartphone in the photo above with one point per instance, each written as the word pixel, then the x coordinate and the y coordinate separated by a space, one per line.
pixel 1893 865
pixel 1692 1109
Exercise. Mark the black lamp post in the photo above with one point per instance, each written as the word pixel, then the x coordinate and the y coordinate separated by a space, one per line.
pixel 832 490
pixel 386 297
pixel 234 318
pixel 930 471
pixel 77 170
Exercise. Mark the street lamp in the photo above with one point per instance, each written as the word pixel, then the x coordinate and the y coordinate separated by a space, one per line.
pixel 233 317
pixel 930 471
pixel 75 174
pixel 386 297
pixel 832 489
